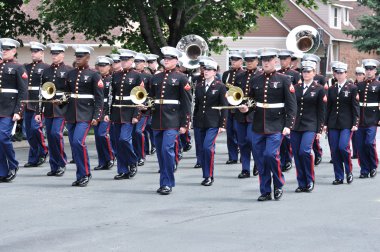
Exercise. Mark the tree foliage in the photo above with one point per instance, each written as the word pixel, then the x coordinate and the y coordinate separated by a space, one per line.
pixel 367 37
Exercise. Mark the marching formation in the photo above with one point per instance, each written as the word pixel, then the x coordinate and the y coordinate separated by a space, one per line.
pixel 135 108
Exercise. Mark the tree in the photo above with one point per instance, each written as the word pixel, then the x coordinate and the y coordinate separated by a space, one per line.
pixel 367 37
pixel 14 22
pixel 150 24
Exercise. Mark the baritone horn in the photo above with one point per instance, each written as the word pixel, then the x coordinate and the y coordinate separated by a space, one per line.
pixel 303 39
pixel 138 96
pixel 192 46
pixel 48 91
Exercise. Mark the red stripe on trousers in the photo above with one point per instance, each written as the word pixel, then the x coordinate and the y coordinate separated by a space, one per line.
pixel 349 152
pixel 84 150
pixel 212 156
pixel 279 163
pixel 108 140
pixel 61 146
pixel 42 137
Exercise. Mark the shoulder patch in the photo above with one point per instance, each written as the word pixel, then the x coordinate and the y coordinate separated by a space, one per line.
pixel 100 84
pixel 291 88
pixel 326 86
pixel 24 76
pixel 187 87
pixel 325 98
pixel 142 84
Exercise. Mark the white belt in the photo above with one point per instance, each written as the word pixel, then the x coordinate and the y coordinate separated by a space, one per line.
pixel 371 104
pixel 82 96
pixel 34 88
pixel 165 101
pixel 8 90
pixel 122 98
pixel 59 93
pixel 270 105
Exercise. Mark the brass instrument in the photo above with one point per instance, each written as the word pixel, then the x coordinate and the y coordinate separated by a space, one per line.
pixel 235 97
pixel 303 39
pixel 48 91
pixel 192 46
pixel 138 96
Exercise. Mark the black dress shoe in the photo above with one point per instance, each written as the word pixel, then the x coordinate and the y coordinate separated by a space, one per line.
pixel 309 187
pixel 141 162
pixel 231 162
pixel 255 171
pixel 350 178
pixel 165 190
pixel 207 181
pixel 30 165
pixel 99 167
pixel 244 174
pixel 373 173
pixel 84 181
pixel 318 160
pixel 278 193
pixel 300 189
pixel 132 170
pixel 159 190
pixel 153 150
pixel 331 162
pixel 337 182
pixel 50 173
pixel 41 160
pixel 60 171
pixel 265 197
pixel 364 176
pixel 287 167
pixel 109 164
pixel 11 175
pixel 187 147
pixel 72 161
pixel 197 166
pixel 75 183
pixel 121 176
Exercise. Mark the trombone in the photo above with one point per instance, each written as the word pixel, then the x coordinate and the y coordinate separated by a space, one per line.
pixel 48 91
pixel 235 97
pixel 138 96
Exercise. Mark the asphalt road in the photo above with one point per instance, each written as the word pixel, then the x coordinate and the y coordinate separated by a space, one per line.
pixel 40 213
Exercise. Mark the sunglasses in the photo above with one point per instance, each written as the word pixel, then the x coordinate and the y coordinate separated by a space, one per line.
pixel 370 68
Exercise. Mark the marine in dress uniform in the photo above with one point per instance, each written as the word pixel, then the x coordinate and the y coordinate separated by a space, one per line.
pixel 342 118
pixel 360 76
pixel 13 89
pixel 286 154
pixel 171 114
pixel 311 106
pixel 229 77
pixel 102 130
pixel 84 109
pixel 53 113
pixel 274 117
pixel 152 63
pixel 369 101
pixel 138 131
pixel 243 121
pixel 208 122
pixel 37 146
pixel 125 118
pixel 321 80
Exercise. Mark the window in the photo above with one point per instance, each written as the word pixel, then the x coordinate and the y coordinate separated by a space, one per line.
pixel 346 17
pixel 335 17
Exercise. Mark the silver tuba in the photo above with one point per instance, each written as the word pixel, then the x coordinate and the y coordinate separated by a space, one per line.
pixel 192 46
pixel 303 39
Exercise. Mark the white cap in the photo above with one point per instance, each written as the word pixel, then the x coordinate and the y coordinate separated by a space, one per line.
pixel 103 60
pixel 235 54
pixel 171 51
pixel 57 47
pixel 202 59
pixel 251 54
pixel 115 56
pixel 370 62
pixel 37 46
pixel 312 57
pixel 210 64
pixel 141 56
pixel 333 64
pixel 125 54
pixel 268 52
pixel 1 55
pixel 308 65
pixel 152 56
pixel 83 49
pixel 285 53
pixel 9 42
pixel 340 67
pixel 360 70
pixel 298 55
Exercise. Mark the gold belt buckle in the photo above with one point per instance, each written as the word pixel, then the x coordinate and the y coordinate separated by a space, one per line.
pixel 265 105
pixel 161 101
pixel 76 96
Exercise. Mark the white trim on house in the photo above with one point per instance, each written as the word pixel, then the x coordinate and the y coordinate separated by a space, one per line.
pixel 92 45
pixel 343 6
pixel 278 21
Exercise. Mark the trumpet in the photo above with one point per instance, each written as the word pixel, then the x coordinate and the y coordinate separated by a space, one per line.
pixel 138 96
pixel 48 91
pixel 235 96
